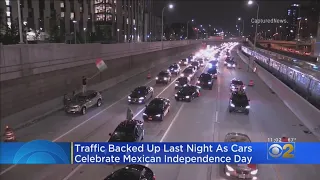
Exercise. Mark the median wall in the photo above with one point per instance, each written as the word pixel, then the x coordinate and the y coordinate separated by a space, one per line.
pixel 28 80
pixel 306 112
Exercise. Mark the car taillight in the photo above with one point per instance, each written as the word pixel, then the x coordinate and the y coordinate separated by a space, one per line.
pixel 154 177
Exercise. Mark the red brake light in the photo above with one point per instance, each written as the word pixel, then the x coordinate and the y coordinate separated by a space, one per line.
pixel 252 166
pixel 154 177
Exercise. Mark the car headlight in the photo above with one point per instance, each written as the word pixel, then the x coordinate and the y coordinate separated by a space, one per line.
pixel 234 65
pixel 158 115
pixel 129 97
pixel 182 75
pixel 185 63
pixel 165 78
pixel 232 105
pixel 176 84
pixel 141 98
pixel 187 96
pixel 198 81
pixel 229 65
pixel 247 107
pixel 229 168
pixel 254 172
pixel 190 75
pixel 210 65
pixel 157 78
pixel 209 82
pixel 217 64
pixel 176 95
pixel 144 114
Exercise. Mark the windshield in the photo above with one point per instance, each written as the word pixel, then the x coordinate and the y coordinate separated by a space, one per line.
pixel 163 73
pixel 139 90
pixel 189 71
pixel 205 77
pixel 212 70
pixel 237 83
pixel 239 98
pixel 79 98
pixel 185 89
pixel 184 60
pixel 194 63
pixel 123 134
pixel 155 103
pixel 173 67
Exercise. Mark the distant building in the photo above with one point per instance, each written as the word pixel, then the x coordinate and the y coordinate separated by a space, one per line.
pixel 293 13
pixel 127 20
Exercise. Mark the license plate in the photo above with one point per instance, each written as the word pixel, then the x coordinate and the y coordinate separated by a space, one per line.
pixel 242 176
pixel 150 118
pixel 180 98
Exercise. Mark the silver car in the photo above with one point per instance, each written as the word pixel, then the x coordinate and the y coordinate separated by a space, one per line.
pixel 241 171
pixel 80 102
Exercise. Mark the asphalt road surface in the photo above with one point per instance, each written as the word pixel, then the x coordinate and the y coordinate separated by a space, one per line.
pixel 205 119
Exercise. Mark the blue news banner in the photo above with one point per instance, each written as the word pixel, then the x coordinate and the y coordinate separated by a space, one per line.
pixel 46 152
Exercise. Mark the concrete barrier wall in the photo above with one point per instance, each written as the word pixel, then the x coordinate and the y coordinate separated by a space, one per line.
pixel 306 112
pixel 28 91
pixel 24 60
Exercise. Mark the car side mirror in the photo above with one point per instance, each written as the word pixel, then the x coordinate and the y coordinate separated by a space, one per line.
pixel 110 134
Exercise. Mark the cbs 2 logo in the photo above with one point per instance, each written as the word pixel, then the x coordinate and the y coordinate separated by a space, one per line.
pixel 286 151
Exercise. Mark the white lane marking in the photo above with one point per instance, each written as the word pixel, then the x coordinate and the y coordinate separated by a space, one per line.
pixel 74 128
pixel 79 166
pixel 170 125
pixel 217 115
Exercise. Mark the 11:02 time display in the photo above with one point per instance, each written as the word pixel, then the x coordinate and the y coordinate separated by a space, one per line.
pixel 275 140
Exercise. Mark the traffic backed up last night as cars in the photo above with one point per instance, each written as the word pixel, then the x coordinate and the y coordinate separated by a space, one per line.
pixel 239 102
pixel 157 109
pixel 174 69
pixel 187 93
pixel 181 82
pixel 188 72
pixel 164 77
pixel 140 94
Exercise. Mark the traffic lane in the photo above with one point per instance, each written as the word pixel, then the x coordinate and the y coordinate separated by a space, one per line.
pixel 154 131
pixel 57 123
pixel 274 120
pixel 192 123
pixel 234 122
pixel 268 118
pixel 92 123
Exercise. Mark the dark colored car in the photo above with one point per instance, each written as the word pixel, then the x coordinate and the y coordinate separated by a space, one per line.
pixel 196 64
pixel 213 64
pixel 240 171
pixel 164 77
pixel 205 81
pixel 156 110
pixel 174 69
pixel 231 64
pixel 236 85
pixel 184 62
pixel 140 94
pixel 187 93
pixel 128 131
pixel 201 62
pixel 214 72
pixel 227 60
pixel 132 172
pixel 188 72
pixel 80 102
pixel 182 81
pixel 239 102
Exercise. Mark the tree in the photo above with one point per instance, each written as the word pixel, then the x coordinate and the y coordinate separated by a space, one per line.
pixel 54 34
pixel 11 33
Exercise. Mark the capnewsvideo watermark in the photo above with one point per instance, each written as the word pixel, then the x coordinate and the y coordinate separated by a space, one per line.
pixel 269 21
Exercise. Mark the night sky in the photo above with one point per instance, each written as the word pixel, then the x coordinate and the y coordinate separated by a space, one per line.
pixel 224 13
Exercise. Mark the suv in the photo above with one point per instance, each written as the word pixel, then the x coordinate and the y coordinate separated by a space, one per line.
pixel 239 102
pixel 128 131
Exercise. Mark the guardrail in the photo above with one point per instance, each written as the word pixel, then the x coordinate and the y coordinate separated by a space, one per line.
pixel 306 112
pixel 21 60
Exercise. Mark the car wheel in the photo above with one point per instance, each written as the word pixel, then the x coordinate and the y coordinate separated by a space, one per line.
pixel 189 100
pixel 99 102
pixel 177 99
pixel 83 110
pixel 246 113
pixel 162 116
pixel 210 88
pixel 230 111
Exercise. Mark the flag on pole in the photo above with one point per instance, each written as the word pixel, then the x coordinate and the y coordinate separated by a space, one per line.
pixel 101 65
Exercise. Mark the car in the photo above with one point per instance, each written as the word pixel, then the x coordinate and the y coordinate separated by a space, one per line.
pixel 213 64
pixel 201 62
pixel 132 172
pixel 239 102
pixel 157 109
pixel 80 102
pixel 164 77
pixel 240 171
pixel 128 131
pixel 181 81
pixel 190 57
pixel 236 85
pixel 140 94
pixel 188 72
pixel 231 64
pixel 187 93
pixel 227 60
pixel 214 72
pixel 196 64
pixel 205 80
pixel 174 69
pixel 184 62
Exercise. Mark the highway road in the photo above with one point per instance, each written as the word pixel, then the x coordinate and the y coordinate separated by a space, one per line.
pixel 205 119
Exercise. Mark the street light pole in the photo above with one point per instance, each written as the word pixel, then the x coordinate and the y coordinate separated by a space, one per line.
pixel 74 30
pixel 256 32
pixel 118 35
pixel 20 23
pixel 85 35
pixel 170 6
pixel 188 28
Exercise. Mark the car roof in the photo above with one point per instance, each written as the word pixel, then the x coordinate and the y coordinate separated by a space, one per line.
pixel 128 123
pixel 158 99
pixel 133 171
pixel 141 87
pixel 237 137
pixel 88 92
pixel 164 71
pixel 205 74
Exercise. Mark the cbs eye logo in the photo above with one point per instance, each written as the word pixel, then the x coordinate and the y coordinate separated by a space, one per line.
pixel 281 150
pixel 41 152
